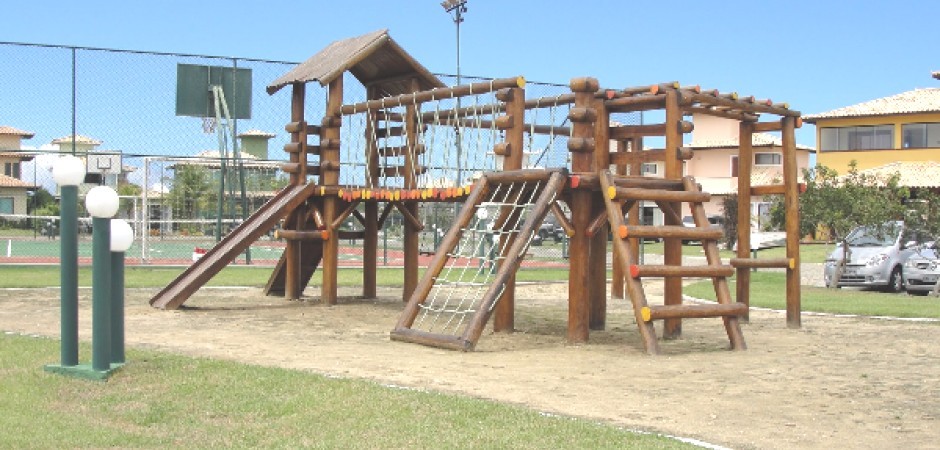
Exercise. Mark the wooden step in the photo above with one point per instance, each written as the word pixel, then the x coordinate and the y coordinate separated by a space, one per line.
pixel 656 195
pixel 670 231
pixel 762 263
pixel 662 312
pixel 657 271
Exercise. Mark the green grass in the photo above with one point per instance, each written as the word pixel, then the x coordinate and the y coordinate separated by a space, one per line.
pixel 809 253
pixel 768 291
pixel 161 400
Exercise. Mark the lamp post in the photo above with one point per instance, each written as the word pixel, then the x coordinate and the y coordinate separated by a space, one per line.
pixel 102 203
pixel 68 172
pixel 457 8
pixel 122 237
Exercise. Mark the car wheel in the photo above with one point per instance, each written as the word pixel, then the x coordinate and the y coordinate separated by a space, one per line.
pixel 895 281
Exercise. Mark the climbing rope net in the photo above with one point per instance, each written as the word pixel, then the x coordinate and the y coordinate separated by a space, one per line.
pixel 452 142
pixel 459 289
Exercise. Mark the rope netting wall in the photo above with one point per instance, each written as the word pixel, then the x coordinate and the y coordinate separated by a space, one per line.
pixel 458 290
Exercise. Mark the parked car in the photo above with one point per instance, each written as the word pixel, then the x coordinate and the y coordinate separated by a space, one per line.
pixel 875 259
pixel 550 229
pixel 922 270
pixel 714 221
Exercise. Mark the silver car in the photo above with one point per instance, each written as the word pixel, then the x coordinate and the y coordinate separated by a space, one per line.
pixel 875 259
pixel 922 270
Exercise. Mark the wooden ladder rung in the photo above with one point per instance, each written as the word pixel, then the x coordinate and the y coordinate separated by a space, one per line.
pixel 762 263
pixel 641 271
pixel 660 312
pixel 671 231
pixel 657 195
pixel 295 235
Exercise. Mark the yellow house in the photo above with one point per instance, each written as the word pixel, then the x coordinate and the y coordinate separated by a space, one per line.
pixel 901 128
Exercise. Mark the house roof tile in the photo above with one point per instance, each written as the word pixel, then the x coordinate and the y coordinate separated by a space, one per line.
pixel 911 173
pixel 917 101
pixel 8 181
pixel 16 132
pixel 79 139
pixel 757 140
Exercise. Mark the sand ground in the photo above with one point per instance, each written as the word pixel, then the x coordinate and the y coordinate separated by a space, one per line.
pixel 839 382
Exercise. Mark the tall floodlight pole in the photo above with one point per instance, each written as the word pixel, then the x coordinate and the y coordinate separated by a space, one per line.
pixel 457 8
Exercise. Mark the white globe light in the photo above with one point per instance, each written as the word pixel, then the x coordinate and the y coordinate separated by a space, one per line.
pixel 68 171
pixel 122 235
pixel 102 201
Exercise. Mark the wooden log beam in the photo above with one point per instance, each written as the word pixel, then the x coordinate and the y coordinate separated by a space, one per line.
pixel 770 189
pixel 620 193
pixel 661 312
pixel 295 235
pixel 637 103
pixel 670 231
pixel 591 181
pixel 519 176
pixel 656 129
pixel 400 171
pixel 762 263
pixel 400 150
pixel 437 93
pixel 562 219
pixel 409 216
pixel 657 271
pixel 730 101
pixel 597 223
pixel 343 215
pixel 733 115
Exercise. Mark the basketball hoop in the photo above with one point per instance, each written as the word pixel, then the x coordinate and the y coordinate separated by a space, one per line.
pixel 208 125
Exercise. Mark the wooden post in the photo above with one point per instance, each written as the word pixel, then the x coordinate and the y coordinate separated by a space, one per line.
pixel 598 262
pixel 618 270
pixel 292 253
pixel 745 164
pixel 410 240
pixel 370 240
pixel 579 253
pixel 329 170
pixel 672 247
pixel 514 98
pixel 791 201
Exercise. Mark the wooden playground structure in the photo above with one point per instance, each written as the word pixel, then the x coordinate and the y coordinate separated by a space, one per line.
pixel 414 140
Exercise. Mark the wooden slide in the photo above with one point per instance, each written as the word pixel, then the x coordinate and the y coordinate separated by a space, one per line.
pixel 223 253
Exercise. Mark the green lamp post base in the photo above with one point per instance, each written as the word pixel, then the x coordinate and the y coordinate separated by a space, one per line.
pixel 83 371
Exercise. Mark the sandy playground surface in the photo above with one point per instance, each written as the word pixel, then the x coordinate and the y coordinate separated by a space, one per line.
pixel 839 382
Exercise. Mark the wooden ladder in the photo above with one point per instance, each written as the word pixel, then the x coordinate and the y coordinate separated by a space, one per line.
pixel 617 198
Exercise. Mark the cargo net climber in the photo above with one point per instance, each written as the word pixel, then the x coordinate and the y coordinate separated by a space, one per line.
pixel 475 267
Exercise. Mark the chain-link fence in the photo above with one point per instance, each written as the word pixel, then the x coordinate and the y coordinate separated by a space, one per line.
pixel 183 180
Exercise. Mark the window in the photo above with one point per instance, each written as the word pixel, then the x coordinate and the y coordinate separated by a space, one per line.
pixel 6 205
pixel 649 169
pixel 11 169
pixel 877 137
pixel 920 135
pixel 734 166
pixel 768 159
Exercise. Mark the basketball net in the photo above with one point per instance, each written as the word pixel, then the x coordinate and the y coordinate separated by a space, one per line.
pixel 208 125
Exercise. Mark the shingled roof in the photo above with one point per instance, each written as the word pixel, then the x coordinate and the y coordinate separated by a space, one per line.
pixel 925 100
pixel 375 59
pixel 757 140
pixel 8 181
pixel 10 131
pixel 911 173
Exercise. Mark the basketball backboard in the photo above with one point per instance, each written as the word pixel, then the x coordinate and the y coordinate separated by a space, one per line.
pixel 194 94
pixel 103 163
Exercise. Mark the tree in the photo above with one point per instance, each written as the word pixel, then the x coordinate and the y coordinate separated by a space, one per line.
pixel 191 191
pixel 843 203
pixel 729 211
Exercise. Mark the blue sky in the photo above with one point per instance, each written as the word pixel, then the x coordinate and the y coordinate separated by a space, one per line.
pixel 815 55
